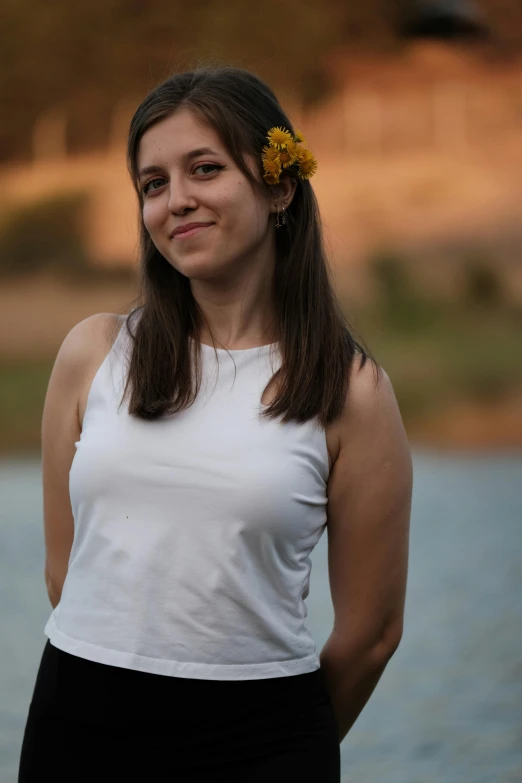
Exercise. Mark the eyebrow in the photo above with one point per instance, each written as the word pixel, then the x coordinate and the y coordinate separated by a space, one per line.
pixel 186 157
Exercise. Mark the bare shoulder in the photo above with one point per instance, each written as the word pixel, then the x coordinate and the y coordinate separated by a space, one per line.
pixel 371 439
pixel 362 382
pixel 81 347
pixel 93 334
pixel 91 340
pixel 370 407
pixel 79 356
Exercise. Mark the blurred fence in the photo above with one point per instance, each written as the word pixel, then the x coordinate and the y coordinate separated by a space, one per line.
pixel 436 100
pixel 446 116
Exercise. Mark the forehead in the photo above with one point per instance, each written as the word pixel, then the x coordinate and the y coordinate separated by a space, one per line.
pixel 174 136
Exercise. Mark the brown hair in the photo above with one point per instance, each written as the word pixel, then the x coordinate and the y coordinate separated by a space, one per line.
pixel 316 344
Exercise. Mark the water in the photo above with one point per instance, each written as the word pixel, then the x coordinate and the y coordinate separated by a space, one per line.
pixel 448 708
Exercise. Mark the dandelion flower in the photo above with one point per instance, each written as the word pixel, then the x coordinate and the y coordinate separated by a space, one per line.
pixel 299 138
pixel 288 156
pixel 272 166
pixel 270 153
pixel 307 164
pixel 279 137
pixel 271 179
pixel 272 171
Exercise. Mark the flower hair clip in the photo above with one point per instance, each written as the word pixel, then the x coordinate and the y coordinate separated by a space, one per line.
pixel 283 152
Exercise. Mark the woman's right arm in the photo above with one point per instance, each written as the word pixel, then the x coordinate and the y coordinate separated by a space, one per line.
pixel 60 431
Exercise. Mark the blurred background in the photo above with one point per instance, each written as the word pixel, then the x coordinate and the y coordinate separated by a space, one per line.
pixel 413 109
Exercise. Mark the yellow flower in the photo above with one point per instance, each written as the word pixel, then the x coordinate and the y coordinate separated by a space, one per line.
pixel 299 138
pixel 270 153
pixel 272 170
pixel 279 137
pixel 271 179
pixel 288 156
pixel 272 166
pixel 307 164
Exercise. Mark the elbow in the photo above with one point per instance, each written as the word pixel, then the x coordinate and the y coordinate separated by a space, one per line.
pixel 54 591
pixel 388 644
pixel 54 595
pixel 375 649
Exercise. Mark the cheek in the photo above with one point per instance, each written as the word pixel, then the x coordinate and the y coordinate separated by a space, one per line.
pixel 247 211
pixel 152 215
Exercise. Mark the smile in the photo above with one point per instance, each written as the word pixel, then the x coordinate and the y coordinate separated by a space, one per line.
pixel 191 232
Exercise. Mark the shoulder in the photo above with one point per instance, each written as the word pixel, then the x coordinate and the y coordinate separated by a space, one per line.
pixel 100 326
pixel 82 353
pixel 371 423
pixel 369 390
pixel 85 346
pixel 92 335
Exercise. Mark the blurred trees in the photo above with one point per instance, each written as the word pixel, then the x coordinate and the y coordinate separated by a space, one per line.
pixel 86 56
pixel 49 235
pixel 442 348
pixel 483 285
pixel 46 234
pixel 402 307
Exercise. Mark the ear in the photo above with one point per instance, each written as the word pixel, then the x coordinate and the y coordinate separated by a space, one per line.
pixel 283 193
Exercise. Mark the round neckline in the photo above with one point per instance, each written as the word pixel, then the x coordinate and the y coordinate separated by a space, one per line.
pixel 235 350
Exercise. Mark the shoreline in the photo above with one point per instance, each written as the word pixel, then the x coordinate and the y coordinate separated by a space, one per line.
pixel 470 426
pixel 464 427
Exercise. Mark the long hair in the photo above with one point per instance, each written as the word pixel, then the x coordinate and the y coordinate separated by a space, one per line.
pixel 316 344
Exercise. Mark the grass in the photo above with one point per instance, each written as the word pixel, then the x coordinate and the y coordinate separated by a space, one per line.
pixel 23 385
pixel 449 354
pixel 453 353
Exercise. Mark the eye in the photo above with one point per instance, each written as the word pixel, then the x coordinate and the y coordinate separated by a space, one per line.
pixel 147 186
pixel 209 166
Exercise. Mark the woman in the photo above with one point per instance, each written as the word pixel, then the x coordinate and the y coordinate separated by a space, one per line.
pixel 201 445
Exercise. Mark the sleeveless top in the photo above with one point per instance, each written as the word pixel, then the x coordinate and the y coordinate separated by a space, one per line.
pixel 193 532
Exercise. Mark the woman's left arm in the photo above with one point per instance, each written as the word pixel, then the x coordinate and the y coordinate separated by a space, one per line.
pixel 369 505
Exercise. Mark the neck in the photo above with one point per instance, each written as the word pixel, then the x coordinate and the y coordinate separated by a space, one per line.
pixel 238 312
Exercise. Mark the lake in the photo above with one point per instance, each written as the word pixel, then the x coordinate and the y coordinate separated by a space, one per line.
pixel 448 708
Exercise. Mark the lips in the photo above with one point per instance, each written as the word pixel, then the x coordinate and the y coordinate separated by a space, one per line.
pixel 189 229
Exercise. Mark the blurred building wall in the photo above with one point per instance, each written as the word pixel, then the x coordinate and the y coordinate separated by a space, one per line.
pixel 418 152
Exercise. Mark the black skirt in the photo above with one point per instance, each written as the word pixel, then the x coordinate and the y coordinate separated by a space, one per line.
pixel 92 722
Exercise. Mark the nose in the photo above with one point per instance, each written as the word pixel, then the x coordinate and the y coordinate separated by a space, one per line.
pixel 181 198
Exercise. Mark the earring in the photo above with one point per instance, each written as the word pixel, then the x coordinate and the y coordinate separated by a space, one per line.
pixel 281 218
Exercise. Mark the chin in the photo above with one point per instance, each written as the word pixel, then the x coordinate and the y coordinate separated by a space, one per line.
pixel 198 269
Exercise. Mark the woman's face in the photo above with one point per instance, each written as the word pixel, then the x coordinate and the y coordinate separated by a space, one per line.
pixel 187 176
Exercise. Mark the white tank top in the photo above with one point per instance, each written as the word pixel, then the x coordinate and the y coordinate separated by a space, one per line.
pixel 193 532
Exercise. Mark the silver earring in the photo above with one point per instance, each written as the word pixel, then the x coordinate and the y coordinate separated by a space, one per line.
pixel 281 218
